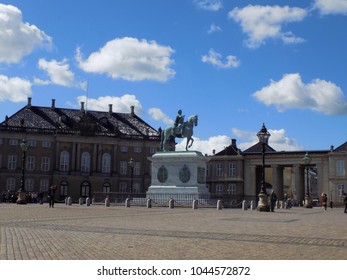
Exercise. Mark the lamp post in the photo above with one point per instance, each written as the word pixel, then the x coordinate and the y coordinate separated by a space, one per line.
pixel 308 200
pixel 21 192
pixel 131 164
pixel 263 136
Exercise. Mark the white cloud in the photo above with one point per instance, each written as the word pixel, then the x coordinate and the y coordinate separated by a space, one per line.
pixel 291 93
pixel 120 104
pixel 215 59
pixel 278 140
pixel 331 6
pixel 264 22
pixel 209 5
pixel 216 143
pixel 130 59
pixel 158 115
pixel 58 71
pixel 18 38
pixel 214 28
pixel 14 89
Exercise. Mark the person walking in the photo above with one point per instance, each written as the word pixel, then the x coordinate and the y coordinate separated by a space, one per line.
pixel 324 199
pixel 51 194
pixel 273 200
pixel 345 201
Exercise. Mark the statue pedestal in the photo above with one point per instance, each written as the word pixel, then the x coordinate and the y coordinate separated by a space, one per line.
pixel 180 175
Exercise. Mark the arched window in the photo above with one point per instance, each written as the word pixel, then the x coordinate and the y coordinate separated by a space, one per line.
pixel 64 161
pixel 106 188
pixel 85 162
pixel 106 163
pixel 63 188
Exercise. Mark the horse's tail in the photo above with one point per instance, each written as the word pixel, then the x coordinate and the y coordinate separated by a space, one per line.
pixel 162 136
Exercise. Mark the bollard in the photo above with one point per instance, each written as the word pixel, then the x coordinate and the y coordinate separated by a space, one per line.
pixel 69 200
pixel 107 202
pixel 244 205
pixel 149 203
pixel 171 203
pixel 88 201
pixel 80 201
pixel 93 200
pixel 195 204
pixel 66 200
pixel 127 202
pixel 219 205
pixel 252 205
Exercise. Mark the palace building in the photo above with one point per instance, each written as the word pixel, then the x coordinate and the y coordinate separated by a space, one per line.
pixel 79 151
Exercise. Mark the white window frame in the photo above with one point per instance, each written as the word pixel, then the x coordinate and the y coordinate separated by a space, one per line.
pixel 45 164
pixel 340 190
pixel 85 162
pixel 106 163
pixel 232 169
pixel 219 189
pixel 30 163
pixel 123 187
pixel 123 167
pixel 137 168
pixel 11 184
pixel 340 167
pixel 231 189
pixel 219 169
pixel 44 184
pixel 12 162
pixel 64 162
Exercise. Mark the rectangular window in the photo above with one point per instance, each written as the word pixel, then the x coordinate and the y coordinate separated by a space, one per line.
pixel 45 164
pixel 46 144
pixel 123 149
pixel 152 150
pixel 13 142
pixel 29 184
pixel 32 143
pixel 10 184
pixel 231 189
pixel 340 167
pixel 123 165
pixel 219 169
pixel 219 189
pixel 340 190
pixel 137 150
pixel 232 169
pixel 123 187
pixel 44 183
pixel 30 163
pixel 12 162
pixel 137 168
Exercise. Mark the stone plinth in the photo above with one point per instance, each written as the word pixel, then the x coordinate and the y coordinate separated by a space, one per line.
pixel 179 175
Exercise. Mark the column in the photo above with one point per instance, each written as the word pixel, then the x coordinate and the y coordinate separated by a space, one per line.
pixel 299 183
pixel 277 180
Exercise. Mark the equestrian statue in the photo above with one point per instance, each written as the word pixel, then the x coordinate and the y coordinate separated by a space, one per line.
pixel 180 129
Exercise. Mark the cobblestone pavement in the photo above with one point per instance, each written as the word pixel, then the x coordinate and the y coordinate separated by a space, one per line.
pixel 79 232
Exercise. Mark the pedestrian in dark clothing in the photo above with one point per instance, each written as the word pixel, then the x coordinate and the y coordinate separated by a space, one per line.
pixel 273 200
pixel 51 194
pixel 324 201
pixel 345 201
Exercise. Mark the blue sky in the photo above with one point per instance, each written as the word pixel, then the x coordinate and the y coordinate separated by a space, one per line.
pixel 236 64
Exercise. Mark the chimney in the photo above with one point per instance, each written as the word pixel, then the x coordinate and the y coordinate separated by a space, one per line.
pixel 53 104
pixel 331 148
pixel 213 151
pixel 82 106
pixel 132 108
pixel 233 143
pixel 110 108
pixel 29 102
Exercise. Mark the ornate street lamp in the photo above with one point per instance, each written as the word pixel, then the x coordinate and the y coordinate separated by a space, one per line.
pixel 131 164
pixel 308 200
pixel 21 192
pixel 263 136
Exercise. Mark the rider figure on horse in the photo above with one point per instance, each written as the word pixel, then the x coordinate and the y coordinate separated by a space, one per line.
pixel 178 125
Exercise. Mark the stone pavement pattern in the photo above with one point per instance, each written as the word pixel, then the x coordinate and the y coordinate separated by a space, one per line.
pixel 79 232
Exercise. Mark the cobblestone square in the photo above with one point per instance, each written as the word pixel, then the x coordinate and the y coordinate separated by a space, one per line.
pixel 79 232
